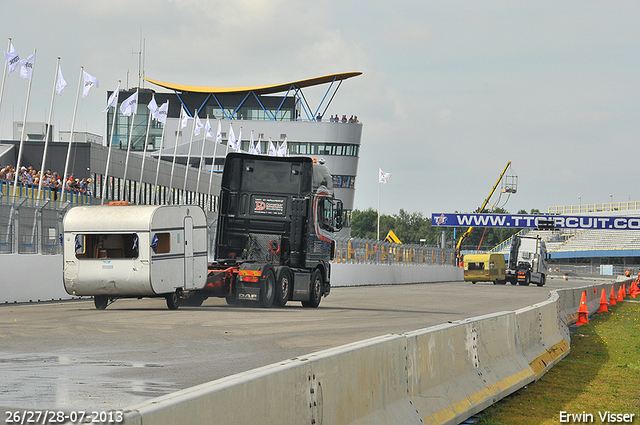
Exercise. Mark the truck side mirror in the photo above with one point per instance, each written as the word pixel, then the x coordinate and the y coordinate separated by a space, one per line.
pixel 337 215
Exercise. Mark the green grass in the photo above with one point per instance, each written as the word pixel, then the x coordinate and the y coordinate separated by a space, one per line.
pixel 601 373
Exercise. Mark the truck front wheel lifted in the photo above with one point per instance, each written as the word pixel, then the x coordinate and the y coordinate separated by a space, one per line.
pixel 316 290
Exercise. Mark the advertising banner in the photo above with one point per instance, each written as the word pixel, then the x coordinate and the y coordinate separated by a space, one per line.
pixel 520 221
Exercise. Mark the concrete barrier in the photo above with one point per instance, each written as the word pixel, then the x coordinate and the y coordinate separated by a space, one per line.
pixel 339 385
pixel 344 274
pixel 543 339
pixel 438 375
pixel 31 278
pixel 459 369
pixel 34 277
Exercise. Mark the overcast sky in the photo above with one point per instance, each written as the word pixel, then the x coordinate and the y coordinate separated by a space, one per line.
pixel 450 91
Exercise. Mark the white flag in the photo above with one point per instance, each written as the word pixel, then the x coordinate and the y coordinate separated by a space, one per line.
pixel 384 177
pixel 199 126
pixel 272 149
pixel 113 99
pixel 89 81
pixel 13 60
pixel 185 120
pixel 282 150
pixel 27 67
pixel 162 112
pixel 130 105
pixel 259 144
pixel 61 83
pixel 252 146
pixel 208 131
pixel 153 107
pixel 231 140
pixel 239 142
pixel 219 133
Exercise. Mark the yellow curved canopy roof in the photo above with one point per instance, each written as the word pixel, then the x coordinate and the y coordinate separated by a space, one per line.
pixel 276 88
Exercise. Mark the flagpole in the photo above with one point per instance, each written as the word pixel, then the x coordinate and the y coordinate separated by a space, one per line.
pixel 144 154
pixel 175 149
pixel 73 123
pixel 213 163
pixel 126 161
pixel 24 126
pixel 156 195
pixel 48 133
pixel 378 234
pixel 204 140
pixel 105 180
pixel 186 170
pixel 4 77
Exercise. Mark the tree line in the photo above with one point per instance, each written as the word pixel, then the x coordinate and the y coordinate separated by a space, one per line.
pixel 412 227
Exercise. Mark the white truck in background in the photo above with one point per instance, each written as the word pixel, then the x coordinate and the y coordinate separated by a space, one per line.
pixel 527 261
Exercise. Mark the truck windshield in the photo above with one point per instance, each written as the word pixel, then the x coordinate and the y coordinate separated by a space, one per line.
pixel 271 177
pixel 106 245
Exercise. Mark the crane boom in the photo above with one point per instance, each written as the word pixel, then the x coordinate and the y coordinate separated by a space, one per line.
pixel 486 201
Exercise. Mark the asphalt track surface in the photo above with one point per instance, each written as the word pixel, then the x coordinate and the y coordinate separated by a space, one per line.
pixel 69 356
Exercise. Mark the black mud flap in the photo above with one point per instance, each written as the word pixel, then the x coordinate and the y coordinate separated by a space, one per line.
pixel 247 293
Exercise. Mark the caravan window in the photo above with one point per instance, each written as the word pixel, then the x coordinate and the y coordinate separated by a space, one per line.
pixel 107 245
pixel 161 243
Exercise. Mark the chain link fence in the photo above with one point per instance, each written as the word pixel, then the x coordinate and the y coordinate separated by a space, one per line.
pixel 31 226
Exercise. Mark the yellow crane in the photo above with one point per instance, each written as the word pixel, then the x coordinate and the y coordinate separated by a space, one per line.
pixel 486 201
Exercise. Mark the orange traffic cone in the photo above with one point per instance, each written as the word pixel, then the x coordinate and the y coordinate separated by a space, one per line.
pixel 583 311
pixel 612 298
pixel 603 302
pixel 620 297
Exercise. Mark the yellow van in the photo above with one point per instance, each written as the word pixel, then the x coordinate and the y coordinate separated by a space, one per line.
pixel 485 268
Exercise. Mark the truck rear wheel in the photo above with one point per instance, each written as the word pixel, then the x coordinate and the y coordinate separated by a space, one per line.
pixel 268 290
pixel 283 286
pixel 526 281
pixel 316 290
pixel 100 301
pixel 173 300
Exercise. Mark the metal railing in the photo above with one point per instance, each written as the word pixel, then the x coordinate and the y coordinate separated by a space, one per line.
pixel 31 192
pixel 370 251
pixel 590 208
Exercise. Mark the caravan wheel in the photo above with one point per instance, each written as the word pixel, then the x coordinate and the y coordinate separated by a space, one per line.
pixel 101 302
pixel 173 300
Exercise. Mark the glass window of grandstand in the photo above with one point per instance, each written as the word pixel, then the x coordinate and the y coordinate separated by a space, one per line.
pixel 106 246
pixel 304 148
pixel 138 133
pixel 344 181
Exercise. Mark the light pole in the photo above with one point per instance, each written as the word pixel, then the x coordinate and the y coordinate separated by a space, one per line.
pixel 611 201
pixel 580 202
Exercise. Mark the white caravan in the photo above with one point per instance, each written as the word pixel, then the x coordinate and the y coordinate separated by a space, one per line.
pixel 120 251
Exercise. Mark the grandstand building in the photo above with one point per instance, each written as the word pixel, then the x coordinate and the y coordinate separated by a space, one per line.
pixel 595 250
pixel 274 113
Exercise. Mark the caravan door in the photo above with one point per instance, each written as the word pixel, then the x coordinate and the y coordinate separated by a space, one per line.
pixel 189 262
